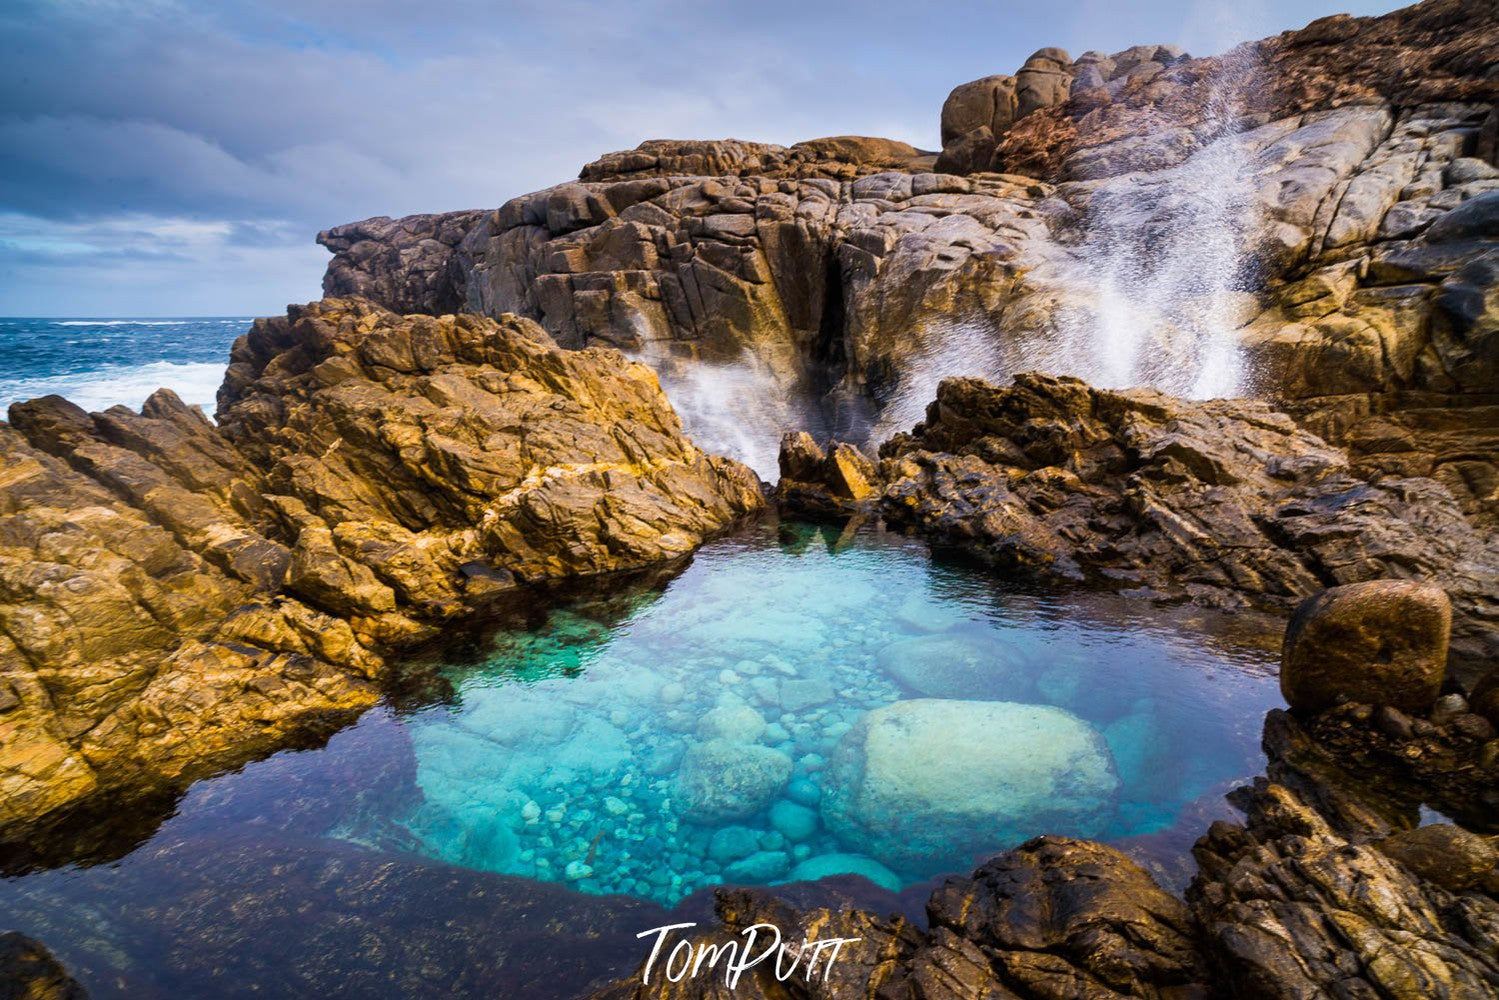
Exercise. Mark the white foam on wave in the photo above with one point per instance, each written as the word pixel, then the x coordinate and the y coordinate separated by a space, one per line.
pixel 115 385
pixel 147 322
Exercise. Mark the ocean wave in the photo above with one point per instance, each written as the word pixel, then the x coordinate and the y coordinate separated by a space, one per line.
pixel 126 322
pixel 128 385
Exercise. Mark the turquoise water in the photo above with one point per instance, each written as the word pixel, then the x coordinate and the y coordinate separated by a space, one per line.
pixel 741 725
pixel 795 703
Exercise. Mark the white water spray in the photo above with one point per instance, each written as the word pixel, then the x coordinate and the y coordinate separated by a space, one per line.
pixel 1155 291
pixel 739 408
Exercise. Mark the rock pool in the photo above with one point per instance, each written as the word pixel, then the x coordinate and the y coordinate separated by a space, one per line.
pixel 798 702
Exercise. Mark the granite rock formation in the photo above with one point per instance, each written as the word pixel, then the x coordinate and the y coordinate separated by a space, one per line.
pixel 1384 639
pixel 178 596
pixel 1224 503
pixel 852 281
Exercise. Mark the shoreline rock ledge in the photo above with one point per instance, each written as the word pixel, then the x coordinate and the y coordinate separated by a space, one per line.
pixel 178 596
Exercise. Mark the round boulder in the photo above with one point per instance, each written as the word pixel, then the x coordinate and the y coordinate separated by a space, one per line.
pixel 721 781
pixel 1381 642
pixel 926 784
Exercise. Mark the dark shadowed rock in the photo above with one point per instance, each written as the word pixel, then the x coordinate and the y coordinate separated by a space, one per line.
pixel 29 972
pixel 1381 641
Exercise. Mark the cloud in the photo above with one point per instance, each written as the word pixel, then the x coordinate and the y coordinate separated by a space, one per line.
pixel 284 117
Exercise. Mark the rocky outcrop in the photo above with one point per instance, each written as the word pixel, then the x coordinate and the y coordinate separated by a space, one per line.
pixel 1320 892
pixel 407 265
pixel 1222 503
pixel 1438 51
pixel 177 597
pixel 841 157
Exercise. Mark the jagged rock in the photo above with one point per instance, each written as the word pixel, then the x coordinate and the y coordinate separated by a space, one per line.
pixel 177 597
pixel 840 157
pixel 29 972
pixel 1308 897
pixel 928 779
pixel 837 480
pixel 1220 502
pixel 1380 641
pixel 407 265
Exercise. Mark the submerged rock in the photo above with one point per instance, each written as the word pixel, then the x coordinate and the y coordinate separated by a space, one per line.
pixel 28 971
pixel 957 665
pixel 719 780
pixel 1381 641
pixel 830 865
pixel 929 778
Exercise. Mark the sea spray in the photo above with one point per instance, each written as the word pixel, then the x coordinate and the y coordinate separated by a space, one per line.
pixel 1154 288
pixel 738 408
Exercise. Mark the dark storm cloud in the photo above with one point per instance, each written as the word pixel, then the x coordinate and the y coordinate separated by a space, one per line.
pixel 206 125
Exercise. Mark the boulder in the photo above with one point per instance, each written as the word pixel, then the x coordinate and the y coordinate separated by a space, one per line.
pixel 719 780
pixel 732 720
pixel 794 822
pixel 762 866
pixel 1446 855
pixel 1381 641
pixel 731 843
pixel 926 783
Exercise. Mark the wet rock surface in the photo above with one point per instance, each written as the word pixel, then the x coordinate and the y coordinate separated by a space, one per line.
pixel 28 971
pixel 1222 503
pixel 180 596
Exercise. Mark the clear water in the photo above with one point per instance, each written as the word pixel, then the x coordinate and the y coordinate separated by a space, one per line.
pixel 99 363
pixel 535 769
pixel 561 753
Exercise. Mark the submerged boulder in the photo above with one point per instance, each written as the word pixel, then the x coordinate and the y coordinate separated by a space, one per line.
pixel 925 781
pixel 1382 642
pixel 721 781
pixel 831 865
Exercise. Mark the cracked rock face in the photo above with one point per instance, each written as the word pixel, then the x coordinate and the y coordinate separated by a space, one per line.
pixel 851 277
pixel 1221 502
pixel 178 596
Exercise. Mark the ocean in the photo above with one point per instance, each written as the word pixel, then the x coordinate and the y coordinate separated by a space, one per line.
pixel 99 363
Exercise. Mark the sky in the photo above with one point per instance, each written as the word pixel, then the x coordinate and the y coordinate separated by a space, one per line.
pixel 172 158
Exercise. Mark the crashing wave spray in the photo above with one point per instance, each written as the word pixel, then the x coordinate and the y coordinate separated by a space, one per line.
pixel 1155 290
pixel 738 409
